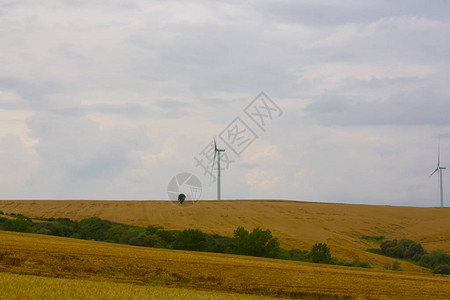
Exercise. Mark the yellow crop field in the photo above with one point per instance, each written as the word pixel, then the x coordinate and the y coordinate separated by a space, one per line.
pixel 13 286
pixel 50 256
pixel 296 224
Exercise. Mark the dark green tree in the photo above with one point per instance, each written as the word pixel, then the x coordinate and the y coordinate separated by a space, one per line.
pixel 115 233
pixel 386 245
pixel 320 253
pixel 191 239
pixel 20 224
pixel 60 227
pixel 442 269
pixel 94 228
pixel 168 236
pixel 257 243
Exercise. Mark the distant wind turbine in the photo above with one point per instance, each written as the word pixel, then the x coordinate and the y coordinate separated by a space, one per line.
pixel 217 151
pixel 439 168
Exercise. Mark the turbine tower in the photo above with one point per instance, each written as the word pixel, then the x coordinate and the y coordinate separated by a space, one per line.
pixel 439 168
pixel 217 152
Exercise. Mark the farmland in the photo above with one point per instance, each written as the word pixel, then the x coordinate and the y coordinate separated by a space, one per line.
pixel 50 256
pixel 295 224
pixel 13 286
pixel 97 266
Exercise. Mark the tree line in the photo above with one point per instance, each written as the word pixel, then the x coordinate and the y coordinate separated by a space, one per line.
pixel 437 260
pixel 257 242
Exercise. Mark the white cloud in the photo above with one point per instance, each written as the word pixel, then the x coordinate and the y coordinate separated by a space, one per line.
pixel 20 163
pixel 13 123
pixel 261 181
pixel 6 95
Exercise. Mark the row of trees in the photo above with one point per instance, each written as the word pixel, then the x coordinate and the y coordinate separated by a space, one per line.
pixel 258 242
pixel 437 260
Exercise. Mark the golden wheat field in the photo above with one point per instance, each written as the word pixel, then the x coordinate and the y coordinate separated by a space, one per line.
pixel 295 224
pixel 13 286
pixel 51 256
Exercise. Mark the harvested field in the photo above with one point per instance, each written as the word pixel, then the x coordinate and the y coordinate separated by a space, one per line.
pixel 13 286
pixel 296 224
pixel 71 258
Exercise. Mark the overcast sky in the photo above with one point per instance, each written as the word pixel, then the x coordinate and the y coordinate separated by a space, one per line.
pixel 111 99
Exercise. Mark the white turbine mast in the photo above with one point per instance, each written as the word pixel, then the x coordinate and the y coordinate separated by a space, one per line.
pixel 439 168
pixel 217 152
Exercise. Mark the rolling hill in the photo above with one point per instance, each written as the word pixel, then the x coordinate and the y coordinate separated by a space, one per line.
pixel 93 267
pixel 296 224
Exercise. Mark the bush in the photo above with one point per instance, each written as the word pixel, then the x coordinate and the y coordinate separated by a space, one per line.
pixel 115 233
pixel 152 240
pixel 43 230
pixel 439 257
pixel 363 264
pixel 425 261
pixel 218 244
pixel 386 245
pixel 153 229
pixel 76 235
pixel 168 236
pixel 257 243
pixel 374 250
pixel 434 259
pixel 394 252
pixel 415 251
pixel 191 239
pixel 94 228
pixel 1 212
pixel 404 248
pixel 293 254
pixel 437 260
pixel 133 235
pixel 337 261
pixel 359 264
pixel 138 240
pixel 297 254
pixel 411 249
pixel 442 269
pixel 60 229
pixel 20 224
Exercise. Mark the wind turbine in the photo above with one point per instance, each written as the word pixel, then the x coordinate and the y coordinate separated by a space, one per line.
pixel 439 168
pixel 217 151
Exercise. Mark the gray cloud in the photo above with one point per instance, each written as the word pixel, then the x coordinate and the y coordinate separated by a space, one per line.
pixel 77 157
pixel 415 108
pixel 113 99
pixel 336 12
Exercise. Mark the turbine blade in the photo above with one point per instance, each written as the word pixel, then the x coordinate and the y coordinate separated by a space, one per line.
pixel 214 159
pixel 434 171
pixel 439 153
